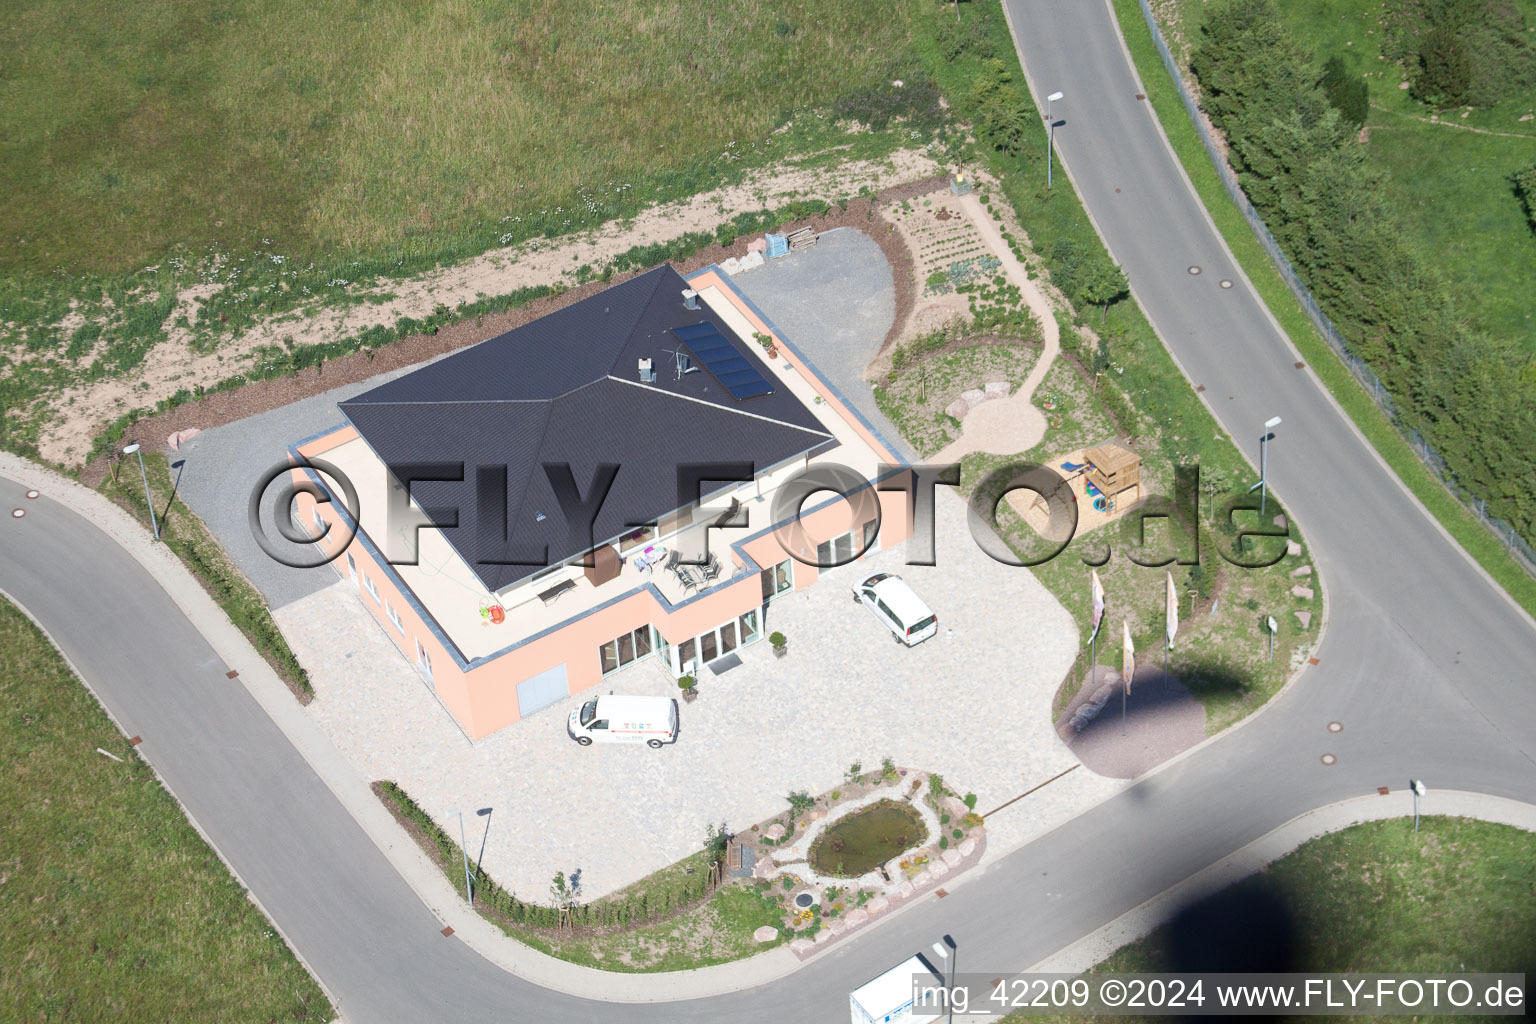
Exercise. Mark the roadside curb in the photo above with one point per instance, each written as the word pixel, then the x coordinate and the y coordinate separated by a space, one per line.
pixel 1270 847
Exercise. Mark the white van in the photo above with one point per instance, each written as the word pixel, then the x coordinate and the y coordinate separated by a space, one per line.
pixel 650 720
pixel 898 607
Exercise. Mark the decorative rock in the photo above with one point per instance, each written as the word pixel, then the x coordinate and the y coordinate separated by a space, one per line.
pixel 974 397
pixel 958 408
pixel 998 389
pixel 1305 593
pixel 938 869
pixel 757 245
pixel 1305 570
pixel 1280 522
pixel 752 260
pixel 857 916
pixel 767 933
pixel 731 265
pixel 800 945
pixel 836 926
pixel 1293 549
pixel 903 889
pixel 953 856
pixel 876 905
pixel 825 935
pixel 1306 619
pixel 774 831
pixel 955 807
pixel 967 847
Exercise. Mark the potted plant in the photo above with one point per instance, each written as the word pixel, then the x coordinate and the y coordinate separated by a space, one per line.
pixel 688 686
pixel 778 641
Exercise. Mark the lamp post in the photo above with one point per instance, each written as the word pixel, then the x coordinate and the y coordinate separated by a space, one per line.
pixel 1263 486
pixel 944 950
pixel 1273 625
pixel 1419 789
pixel 1050 146
pixel 468 892
pixel 133 449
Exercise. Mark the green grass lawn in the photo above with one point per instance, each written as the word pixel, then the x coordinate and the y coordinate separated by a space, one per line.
pixel 126 132
pixel 1384 437
pixel 1450 185
pixel 1458 896
pixel 111 905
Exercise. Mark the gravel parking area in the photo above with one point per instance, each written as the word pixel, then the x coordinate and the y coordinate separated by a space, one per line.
pixel 224 463
pixel 973 703
pixel 835 302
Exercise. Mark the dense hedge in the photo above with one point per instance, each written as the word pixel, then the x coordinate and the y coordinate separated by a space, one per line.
pixel 1471 396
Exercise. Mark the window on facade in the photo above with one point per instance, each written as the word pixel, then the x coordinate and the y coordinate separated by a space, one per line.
pixel 778 580
pixel 835 552
pixel 638 538
pixel 748 623
pixel 351 566
pixel 871 528
pixel 318 521
pixel 626 649
pixel 423 661
pixel 368 585
pixel 394 616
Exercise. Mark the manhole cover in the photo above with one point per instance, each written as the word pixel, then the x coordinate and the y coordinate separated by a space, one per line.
pixel 1225 283
pixel 1329 759
pixel 17 513
pixel 33 494
pixel 804 900
pixel 1335 726
pixel 1194 270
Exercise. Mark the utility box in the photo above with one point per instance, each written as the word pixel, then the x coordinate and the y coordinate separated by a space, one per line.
pixel 778 246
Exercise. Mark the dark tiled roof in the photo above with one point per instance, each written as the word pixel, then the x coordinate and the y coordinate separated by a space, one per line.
pixel 565 389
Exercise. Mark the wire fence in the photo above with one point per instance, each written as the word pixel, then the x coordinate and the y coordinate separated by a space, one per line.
pixel 1519 549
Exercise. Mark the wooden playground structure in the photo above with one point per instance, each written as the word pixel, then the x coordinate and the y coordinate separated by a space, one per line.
pixel 1104 481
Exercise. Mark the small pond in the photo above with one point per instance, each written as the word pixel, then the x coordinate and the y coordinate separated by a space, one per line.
pixel 862 841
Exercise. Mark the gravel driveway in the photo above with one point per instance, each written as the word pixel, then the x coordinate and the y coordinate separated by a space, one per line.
pixel 834 302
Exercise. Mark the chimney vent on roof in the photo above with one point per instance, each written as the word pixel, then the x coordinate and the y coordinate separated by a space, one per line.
pixel 690 299
pixel 647 372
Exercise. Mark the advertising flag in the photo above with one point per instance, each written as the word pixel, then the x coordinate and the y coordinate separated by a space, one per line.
pixel 1128 659
pixel 1098 602
pixel 1173 611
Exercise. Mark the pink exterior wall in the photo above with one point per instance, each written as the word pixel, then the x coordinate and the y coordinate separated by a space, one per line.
pixel 483 696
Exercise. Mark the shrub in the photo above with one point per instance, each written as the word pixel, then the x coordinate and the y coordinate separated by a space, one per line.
pixel 686 682
pixel 970 800
pixel 853 772
pixel 935 785
pixel 888 770
pixel 776 639
pixel 800 800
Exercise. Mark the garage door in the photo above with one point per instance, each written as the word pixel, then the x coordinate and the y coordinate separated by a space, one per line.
pixel 541 691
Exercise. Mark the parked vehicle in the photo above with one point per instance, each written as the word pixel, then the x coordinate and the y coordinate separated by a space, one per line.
pixel 897 605
pixel 649 720
pixel 891 996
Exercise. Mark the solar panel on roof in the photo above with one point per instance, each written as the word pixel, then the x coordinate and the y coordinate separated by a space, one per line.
pixel 720 358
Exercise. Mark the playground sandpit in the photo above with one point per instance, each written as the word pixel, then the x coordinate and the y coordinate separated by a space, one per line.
pixel 860 842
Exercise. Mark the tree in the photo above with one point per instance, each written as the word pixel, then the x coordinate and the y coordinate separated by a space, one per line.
pixel 1002 113
pixel 1445 68
pixel 1107 284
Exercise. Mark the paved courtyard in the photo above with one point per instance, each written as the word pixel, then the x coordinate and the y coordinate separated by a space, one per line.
pixel 973 703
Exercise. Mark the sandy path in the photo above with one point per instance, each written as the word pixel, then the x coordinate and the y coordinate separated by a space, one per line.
pixel 1012 424
pixel 79 412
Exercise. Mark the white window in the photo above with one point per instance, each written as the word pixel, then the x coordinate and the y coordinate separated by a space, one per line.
pixel 368 585
pixel 394 616
pixel 319 522
pixel 351 567
pixel 423 661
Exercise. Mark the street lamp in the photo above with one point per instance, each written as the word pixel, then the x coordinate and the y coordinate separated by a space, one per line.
pixel 1050 146
pixel 1419 789
pixel 468 893
pixel 133 449
pixel 1273 625
pixel 944 950
pixel 1262 486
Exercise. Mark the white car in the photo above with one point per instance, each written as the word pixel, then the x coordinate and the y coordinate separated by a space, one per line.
pixel 898 607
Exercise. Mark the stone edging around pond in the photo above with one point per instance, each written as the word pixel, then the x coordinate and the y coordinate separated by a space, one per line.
pixel 942 863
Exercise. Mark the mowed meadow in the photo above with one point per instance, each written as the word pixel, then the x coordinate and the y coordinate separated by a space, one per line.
pixel 127 131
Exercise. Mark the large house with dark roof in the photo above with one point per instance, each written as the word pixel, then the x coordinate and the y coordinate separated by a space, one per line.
pixel 593 490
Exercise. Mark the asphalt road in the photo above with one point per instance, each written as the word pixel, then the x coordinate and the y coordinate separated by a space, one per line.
pixel 1425 663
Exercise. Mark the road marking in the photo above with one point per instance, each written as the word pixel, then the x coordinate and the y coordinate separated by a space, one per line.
pixel 1335 726
pixel 17 513
pixel 1194 271
pixel 33 494
pixel 1329 759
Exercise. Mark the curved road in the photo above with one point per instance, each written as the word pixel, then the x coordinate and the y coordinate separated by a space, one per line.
pixel 1425 663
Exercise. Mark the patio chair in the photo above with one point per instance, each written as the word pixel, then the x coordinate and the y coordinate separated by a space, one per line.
pixel 712 570
pixel 672 557
pixel 686 579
